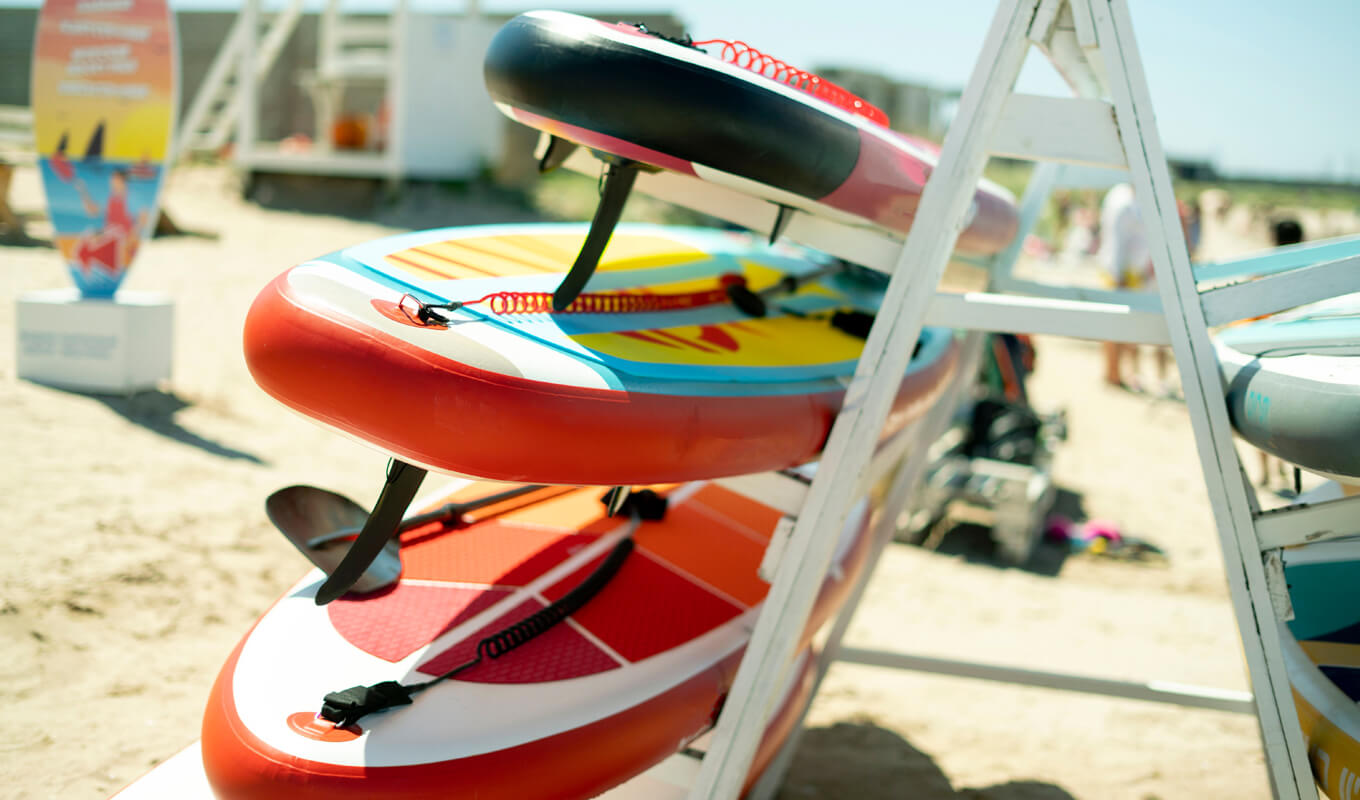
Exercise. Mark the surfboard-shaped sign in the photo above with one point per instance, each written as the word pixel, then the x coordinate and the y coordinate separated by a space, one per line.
pixel 104 107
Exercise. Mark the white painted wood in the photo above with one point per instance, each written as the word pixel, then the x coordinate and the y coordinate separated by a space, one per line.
pixel 246 90
pixel 1083 24
pixel 1280 291
pixel 1135 301
pixel 887 351
pixel 207 126
pixel 1285 750
pixel 210 91
pixel 1078 319
pixel 1107 22
pixel 398 75
pixel 1044 20
pixel 1154 691
pixel 1281 259
pixel 1070 130
pixel 1304 524
pixel 908 476
pixel 1065 51
pixel 269 158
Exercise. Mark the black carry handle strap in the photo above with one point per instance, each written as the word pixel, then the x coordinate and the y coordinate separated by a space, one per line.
pixel 352 704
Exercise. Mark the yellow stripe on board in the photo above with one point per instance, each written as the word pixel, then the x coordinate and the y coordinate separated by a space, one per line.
pixel 771 342
pixel 1332 654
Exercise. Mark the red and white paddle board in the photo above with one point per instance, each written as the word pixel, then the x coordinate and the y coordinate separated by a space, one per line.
pixel 619 686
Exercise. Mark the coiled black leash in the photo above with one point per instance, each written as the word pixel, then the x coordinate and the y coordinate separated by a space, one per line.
pixel 349 706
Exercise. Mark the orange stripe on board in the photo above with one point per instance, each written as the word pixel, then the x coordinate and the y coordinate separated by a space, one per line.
pixel 428 252
pixel 708 550
pixel 482 260
pixel 578 510
pixel 756 517
pixel 511 248
pixel 415 267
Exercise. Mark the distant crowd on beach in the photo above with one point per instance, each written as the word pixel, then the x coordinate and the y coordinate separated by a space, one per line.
pixel 1110 231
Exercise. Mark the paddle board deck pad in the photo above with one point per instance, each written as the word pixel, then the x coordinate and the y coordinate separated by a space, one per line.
pixel 652 376
pixel 621 684
pixel 1293 385
pixel 104 107
pixel 726 113
pixel 1322 655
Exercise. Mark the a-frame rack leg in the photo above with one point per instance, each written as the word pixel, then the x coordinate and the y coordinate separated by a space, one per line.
pixel 886 354
pixel 1103 36
pixel 1286 752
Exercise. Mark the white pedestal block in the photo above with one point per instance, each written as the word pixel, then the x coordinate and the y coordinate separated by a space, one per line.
pixel 114 346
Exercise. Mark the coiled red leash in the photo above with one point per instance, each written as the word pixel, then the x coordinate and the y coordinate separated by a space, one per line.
pixel 747 57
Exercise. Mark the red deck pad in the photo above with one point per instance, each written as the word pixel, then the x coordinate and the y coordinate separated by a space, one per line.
pixel 560 654
pixel 647 608
pixel 397 622
pixel 493 552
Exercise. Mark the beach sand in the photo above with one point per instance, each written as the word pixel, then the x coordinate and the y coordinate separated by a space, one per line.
pixel 136 553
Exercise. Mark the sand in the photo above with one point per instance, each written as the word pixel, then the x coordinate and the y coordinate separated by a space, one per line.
pixel 136 553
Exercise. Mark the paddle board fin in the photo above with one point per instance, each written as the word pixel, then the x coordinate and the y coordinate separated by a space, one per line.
pixel 402 482
pixel 618 184
pixel 553 151
pixel 781 221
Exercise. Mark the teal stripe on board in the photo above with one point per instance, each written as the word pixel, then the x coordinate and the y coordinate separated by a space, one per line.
pixel 1326 597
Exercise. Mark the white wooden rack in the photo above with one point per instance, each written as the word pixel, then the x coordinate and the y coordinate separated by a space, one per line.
pixel 1107 123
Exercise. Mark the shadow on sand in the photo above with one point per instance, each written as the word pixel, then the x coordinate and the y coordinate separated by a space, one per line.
pixel 864 761
pixel 974 544
pixel 155 411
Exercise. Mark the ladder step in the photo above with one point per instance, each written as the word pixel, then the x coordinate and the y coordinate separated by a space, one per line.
pixel 1278 260
pixel 1304 524
pixel 1155 691
pixel 362 32
pixel 357 65
pixel 1281 291
pixel 1068 130
pixel 1112 322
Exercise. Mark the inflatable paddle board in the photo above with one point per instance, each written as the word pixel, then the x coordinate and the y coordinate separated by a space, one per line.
pixel 726 113
pixel 625 681
pixel 1293 385
pixel 104 108
pixel 1322 655
pixel 654 375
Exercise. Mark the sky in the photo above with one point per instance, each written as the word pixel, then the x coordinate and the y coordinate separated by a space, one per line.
pixel 1259 88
